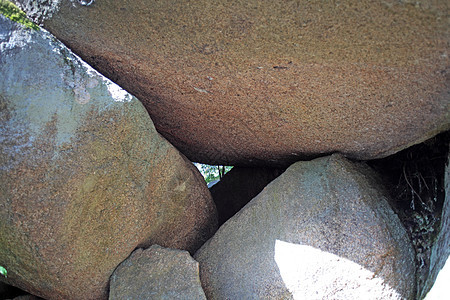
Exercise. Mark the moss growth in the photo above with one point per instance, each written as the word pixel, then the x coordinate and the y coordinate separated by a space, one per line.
pixel 11 11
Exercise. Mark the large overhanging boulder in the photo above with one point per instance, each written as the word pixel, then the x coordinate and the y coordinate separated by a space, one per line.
pixel 241 82
pixel 85 177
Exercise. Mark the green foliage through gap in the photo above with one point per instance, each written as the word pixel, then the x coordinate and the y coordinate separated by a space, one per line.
pixel 211 173
pixel 12 12
pixel 3 271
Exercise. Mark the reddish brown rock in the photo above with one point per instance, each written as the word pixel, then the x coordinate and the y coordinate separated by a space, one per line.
pixel 241 82
pixel 85 177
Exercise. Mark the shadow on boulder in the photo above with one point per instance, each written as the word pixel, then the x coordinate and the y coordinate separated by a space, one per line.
pixel 238 187
pixel 415 180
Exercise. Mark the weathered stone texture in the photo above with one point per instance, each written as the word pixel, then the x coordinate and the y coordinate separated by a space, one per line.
pixel 246 82
pixel 321 230
pixel 157 273
pixel 85 177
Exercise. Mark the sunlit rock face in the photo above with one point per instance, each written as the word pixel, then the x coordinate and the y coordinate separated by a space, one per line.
pixel 253 82
pixel 308 272
pixel 84 176
pixel 322 230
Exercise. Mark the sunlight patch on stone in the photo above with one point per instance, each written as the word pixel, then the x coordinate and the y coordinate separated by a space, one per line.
pixel 440 289
pixel 309 273
pixel 118 94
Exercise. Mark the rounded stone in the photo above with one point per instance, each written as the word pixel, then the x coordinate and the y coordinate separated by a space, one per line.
pixel 321 230
pixel 85 177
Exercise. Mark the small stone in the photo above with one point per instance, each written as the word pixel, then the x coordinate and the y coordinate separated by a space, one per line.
pixel 157 273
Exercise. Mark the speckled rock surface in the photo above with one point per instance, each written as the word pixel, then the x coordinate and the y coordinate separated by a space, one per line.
pixel 157 273
pixel 85 177
pixel 321 230
pixel 258 82
pixel 440 253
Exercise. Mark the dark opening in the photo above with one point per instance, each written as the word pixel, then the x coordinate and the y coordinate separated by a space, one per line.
pixel 415 180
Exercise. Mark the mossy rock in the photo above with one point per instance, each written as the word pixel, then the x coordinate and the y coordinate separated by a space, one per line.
pixel 11 11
